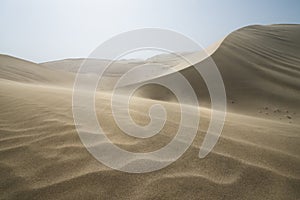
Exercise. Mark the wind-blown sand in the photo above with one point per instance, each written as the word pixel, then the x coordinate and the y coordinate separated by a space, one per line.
pixel 257 156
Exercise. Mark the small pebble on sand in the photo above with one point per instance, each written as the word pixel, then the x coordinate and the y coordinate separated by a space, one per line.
pixel 276 110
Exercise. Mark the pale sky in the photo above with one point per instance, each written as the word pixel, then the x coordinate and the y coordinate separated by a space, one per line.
pixel 40 30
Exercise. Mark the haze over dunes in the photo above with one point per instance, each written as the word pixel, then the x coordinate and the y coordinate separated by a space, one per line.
pixel 257 156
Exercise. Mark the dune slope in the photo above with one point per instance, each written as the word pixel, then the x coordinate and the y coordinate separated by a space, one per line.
pixel 23 71
pixel 260 69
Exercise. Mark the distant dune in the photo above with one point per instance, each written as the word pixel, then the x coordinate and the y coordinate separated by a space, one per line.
pixel 257 156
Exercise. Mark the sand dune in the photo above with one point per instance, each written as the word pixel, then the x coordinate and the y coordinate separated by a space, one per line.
pixel 260 70
pixel 257 156
pixel 23 71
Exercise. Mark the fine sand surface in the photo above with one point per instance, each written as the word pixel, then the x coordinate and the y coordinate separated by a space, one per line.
pixel 256 157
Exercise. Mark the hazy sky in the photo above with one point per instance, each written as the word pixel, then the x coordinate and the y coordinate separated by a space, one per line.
pixel 40 30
